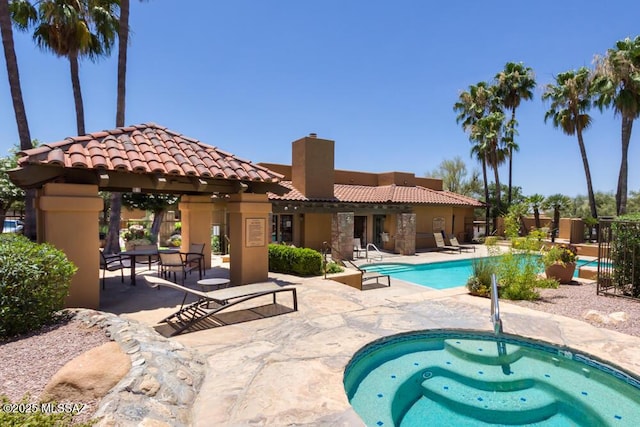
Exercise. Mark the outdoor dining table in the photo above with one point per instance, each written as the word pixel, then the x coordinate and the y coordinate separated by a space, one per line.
pixel 146 253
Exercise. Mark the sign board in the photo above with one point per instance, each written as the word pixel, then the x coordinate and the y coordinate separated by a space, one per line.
pixel 438 224
pixel 255 232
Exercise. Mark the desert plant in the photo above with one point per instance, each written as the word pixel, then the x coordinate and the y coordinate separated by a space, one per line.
pixel 333 267
pixel 35 281
pixel 480 281
pixel 559 254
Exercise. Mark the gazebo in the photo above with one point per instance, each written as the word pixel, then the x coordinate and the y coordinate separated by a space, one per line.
pixel 146 158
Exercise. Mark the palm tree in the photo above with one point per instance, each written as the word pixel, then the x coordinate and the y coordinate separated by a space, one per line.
pixel 18 108
pixel 557 202
pixel 570 100
pixel 72 29
pixel 472 106
pixel 536 201
pixel 489 129
pixel 112 244
pixel 514 84
pixel 618 87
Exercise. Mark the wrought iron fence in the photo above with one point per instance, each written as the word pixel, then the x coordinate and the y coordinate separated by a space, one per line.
pixel 619 258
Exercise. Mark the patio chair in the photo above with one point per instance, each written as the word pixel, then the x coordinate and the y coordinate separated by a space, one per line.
pixel 151 259
pixel 195 258
pixel 454 242
pixel 201 314
pixel 441 246
pixel 370 275
pixel 172 262
pixel 357 247
pixel 111 262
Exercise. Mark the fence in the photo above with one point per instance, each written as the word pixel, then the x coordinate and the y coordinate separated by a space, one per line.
pixel 619 258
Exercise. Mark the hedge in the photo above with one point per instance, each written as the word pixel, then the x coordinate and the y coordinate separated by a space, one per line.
pixel 292 260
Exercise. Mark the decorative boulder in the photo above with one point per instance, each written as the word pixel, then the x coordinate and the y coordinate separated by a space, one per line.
pixel 90 375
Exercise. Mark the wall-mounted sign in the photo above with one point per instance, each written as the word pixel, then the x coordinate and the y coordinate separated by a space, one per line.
pixel 255 232
pixel 438 224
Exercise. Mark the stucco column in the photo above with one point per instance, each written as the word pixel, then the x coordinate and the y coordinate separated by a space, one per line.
pixel 196 215
pixel 406 234
pixel 249 236
pixel 342 235
pixel 69 221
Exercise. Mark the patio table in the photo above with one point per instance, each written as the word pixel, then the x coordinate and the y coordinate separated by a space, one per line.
pixel 143 253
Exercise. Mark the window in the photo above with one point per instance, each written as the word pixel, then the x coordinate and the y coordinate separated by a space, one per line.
pixel 282 228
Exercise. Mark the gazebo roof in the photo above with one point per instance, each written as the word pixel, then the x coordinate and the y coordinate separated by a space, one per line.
pixel 146 158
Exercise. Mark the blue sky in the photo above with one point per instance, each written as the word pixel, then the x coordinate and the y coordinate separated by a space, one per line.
pixel 378 77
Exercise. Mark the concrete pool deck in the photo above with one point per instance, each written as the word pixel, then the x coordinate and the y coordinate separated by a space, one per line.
pixel 288 369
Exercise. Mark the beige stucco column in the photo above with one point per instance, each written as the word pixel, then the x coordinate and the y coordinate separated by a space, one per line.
pixel 68 215
pixel 249 231
pixel 196 214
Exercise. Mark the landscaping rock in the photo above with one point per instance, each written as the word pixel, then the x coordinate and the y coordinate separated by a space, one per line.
pixel 89 376
pixel 596 316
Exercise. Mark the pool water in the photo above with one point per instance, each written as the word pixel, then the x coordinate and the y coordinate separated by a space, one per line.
pixel 464 378
pixel 437 275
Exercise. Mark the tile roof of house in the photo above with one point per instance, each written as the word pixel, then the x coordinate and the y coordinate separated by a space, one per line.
pixel 382 194
pixel 147 149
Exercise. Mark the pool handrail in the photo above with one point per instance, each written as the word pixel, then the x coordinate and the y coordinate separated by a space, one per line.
pixel 375 248
pixel 495 307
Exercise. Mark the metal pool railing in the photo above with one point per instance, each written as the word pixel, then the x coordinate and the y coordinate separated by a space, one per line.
pixel 495 307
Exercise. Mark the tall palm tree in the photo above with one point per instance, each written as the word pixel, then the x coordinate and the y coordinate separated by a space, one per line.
pixel 514 84
pixel 112 244
pixel 489 129
pixel 73 29
pixel 618 86
pixel 571 99
pixel 473 105
pixel 24 135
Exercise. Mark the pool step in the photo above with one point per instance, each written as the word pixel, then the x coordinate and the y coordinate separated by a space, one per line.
pixel 517 407
pixel 484 352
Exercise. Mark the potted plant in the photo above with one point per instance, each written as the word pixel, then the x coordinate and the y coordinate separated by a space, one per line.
pixel 560 262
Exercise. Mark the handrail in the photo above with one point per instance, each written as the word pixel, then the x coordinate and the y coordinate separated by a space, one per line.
pixel 495 307
pixel 375 248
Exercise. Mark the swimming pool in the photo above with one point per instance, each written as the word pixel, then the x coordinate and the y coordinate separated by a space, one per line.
pixel 471 378
pixel 437 275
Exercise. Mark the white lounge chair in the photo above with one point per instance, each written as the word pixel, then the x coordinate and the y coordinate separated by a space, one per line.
pixel 454 242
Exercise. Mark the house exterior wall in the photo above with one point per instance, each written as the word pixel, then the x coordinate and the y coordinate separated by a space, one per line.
pixel 317 229
pixel 313 166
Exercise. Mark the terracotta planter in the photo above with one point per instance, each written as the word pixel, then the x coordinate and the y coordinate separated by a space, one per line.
pixel 562 273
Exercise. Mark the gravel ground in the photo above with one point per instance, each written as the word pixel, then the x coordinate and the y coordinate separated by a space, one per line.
pixel 30 361
pixel 574 299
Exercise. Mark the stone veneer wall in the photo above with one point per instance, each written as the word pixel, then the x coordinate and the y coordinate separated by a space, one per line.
pixel 406 234
pixel 342 235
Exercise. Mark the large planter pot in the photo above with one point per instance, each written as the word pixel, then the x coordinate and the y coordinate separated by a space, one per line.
pixel 562 273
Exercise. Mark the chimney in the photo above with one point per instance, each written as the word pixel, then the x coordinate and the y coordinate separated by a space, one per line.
pixel 313 166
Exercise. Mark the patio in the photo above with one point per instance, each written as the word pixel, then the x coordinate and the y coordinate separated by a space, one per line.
pixel 288 369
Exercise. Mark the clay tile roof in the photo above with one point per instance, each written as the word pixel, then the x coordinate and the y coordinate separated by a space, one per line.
pixel 383 194
pixel 146 148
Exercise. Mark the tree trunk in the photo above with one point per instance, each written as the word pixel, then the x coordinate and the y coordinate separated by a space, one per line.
pixel 112 244
pixel 587 172
pixel 113 235
pixel 487 211
pixel 24 135
pixel 77 93
pixel 621 194
pixel 536 215
pixel 158 217
pixel 123 39
pixel 513 120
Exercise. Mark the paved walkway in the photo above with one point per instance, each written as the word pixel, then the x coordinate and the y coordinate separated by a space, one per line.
pixel 288 369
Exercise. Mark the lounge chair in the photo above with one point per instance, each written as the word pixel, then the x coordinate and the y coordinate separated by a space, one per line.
pixel 454 242
pixel 201 314
pixel 442 246
pixel 357 248
pixel 370 275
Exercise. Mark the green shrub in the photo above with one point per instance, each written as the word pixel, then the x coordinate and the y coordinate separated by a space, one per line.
pixel 29 414
pixel 35 281
pixel 292 260
pixel 333 267
pixel 490 240
pixel 519 276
